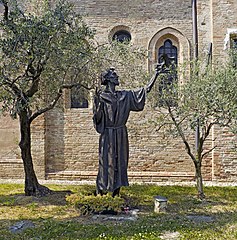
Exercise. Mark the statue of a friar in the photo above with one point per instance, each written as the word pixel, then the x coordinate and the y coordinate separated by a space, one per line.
pixel 111 111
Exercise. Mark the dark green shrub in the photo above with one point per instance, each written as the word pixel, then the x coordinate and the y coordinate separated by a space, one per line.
pixel 96 204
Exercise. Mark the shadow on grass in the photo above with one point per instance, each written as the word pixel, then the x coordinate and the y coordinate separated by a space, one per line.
pixel 55 198
pixel 194 205
pixel 153 226
pixel 220 207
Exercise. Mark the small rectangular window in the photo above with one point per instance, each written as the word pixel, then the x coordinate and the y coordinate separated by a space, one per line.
pixel 233 47
pixel 233 41
pixel 79 98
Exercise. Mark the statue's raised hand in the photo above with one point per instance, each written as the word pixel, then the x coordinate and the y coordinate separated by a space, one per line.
pixel 97 96
pixel 160 67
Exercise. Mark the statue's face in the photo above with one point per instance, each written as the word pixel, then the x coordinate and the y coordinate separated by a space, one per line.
pixel 113 77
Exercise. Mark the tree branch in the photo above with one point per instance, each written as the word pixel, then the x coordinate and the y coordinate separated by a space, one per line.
pixel 34 87
pixel 5 4
pixel 180 132
pixel 11 85
pixel 55 100
pixel 204 154
pixel 49 107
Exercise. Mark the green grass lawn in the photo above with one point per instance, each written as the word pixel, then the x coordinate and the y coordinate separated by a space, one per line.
pixel 186 218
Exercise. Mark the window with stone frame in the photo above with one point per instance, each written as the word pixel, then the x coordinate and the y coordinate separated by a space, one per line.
pixel 79 98
pixel 167 53
pixel 168 49
pixel 233 43
pixel 233 47
pixel 122 36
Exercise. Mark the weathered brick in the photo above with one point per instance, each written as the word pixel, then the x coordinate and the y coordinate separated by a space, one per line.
pixel 64 142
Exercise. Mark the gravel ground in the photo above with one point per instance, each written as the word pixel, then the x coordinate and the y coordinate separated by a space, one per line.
pixel 61 182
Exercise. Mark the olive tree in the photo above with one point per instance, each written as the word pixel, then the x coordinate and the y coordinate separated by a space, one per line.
pixel 44 52
pixel 190 110
pixel 40 55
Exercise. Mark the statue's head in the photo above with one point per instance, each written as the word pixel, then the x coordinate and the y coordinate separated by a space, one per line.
pixel 109 76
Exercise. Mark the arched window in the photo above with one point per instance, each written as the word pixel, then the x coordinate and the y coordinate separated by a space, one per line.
pixel 169 50
pixel 122 36
pixel 168 53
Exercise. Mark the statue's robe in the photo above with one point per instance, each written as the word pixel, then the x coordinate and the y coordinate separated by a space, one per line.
pixel 110 117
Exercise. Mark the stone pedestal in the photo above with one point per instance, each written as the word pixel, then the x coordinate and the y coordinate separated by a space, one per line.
pixel 160 204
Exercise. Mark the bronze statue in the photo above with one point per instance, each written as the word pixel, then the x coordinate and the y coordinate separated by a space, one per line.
pixel 111 112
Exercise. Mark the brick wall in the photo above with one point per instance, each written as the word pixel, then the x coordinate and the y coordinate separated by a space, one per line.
pixel 154 156
pixel 64 142
pixel 10 157
pixel 225 156
pixel 223 17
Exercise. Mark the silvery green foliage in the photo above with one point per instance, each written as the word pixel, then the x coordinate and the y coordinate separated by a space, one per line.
pixel 40 53
pixel 49 46
pixel 207 94
pixel 189 110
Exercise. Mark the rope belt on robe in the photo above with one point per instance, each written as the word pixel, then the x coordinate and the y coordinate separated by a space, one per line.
pixel 115 147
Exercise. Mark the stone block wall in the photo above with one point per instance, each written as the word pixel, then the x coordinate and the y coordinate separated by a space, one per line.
pixel 38 146
pixel 64 142
pixel 224 156
pixel 143 18
pixel 223 17
pixel 154 156
pixel 10 158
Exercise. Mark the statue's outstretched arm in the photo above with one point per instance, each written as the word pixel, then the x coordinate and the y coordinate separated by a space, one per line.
pixel 159 70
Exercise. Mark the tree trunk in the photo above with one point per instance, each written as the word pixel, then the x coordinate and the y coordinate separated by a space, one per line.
pixel 32 187
pixel 198 171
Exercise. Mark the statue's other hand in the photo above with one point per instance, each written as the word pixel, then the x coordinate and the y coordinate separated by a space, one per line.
pixel 97 96
pixel 97 92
